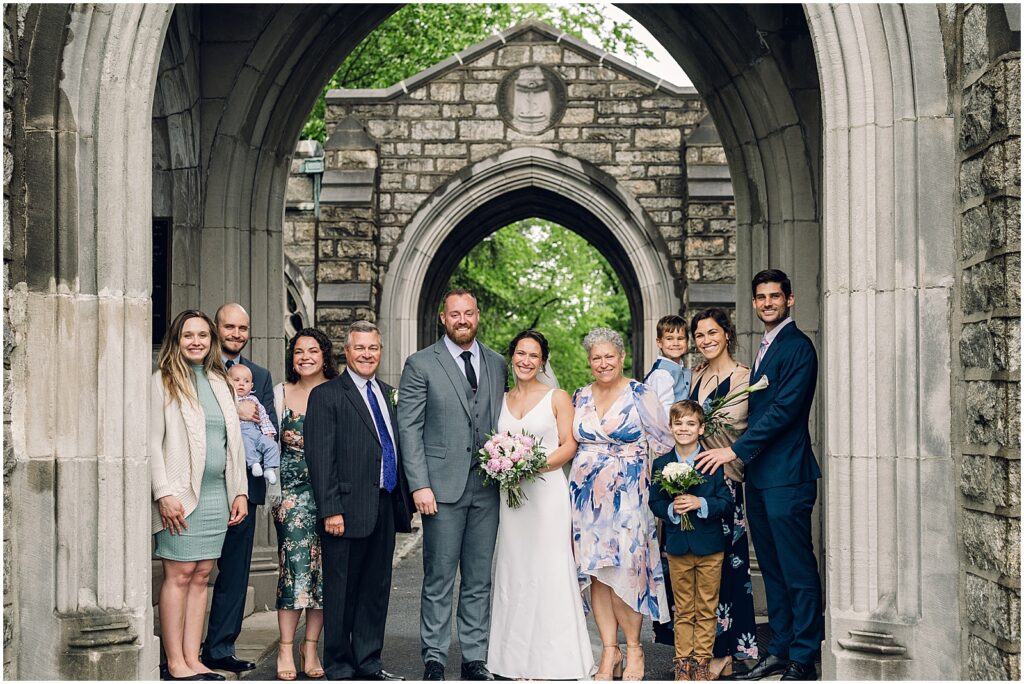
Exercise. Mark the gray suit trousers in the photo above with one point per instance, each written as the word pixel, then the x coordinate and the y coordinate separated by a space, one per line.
pixel 461 536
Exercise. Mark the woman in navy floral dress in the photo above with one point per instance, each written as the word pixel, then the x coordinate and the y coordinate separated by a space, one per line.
pixel 719 376
pixel 620 427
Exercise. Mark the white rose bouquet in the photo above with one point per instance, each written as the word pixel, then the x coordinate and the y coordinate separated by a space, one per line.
pixel 678 478
pixel 510 460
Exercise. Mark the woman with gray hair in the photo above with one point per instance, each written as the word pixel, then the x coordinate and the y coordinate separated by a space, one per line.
pixel 619 426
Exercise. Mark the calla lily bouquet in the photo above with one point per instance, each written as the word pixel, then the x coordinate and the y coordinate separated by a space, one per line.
pixel 715 419
pixel 678 478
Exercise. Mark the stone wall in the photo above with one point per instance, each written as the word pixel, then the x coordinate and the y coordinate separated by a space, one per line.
pixel 418 140
pixel 985 90
pixel 709 252
pixel 12 89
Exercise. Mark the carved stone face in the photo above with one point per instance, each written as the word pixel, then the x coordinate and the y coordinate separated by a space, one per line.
pixel 532 99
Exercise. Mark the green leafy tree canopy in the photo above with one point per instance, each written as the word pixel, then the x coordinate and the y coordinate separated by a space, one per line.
pixel 420 35
pixel 538 274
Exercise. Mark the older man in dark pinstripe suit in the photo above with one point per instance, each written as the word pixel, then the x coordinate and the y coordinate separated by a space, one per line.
pixel 362 499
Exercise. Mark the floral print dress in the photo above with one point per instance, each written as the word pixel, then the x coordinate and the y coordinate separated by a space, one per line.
pixel 736 633
pixel 614 534
pixel 300 582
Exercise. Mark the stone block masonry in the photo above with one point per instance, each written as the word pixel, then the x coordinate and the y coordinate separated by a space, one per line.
pixel 458 115
pixel 986 96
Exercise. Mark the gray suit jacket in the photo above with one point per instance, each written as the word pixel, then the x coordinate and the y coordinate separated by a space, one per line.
pixel 435 420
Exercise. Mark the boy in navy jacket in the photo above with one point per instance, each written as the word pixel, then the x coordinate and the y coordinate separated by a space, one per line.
pixel 694 556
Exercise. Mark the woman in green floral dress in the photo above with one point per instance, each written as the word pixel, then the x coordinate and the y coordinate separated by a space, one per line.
pixel 300 584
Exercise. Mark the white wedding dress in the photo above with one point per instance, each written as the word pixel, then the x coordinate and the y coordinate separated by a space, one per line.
pixel 538 630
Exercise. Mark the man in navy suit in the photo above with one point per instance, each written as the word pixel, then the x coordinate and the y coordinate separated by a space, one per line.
pixel 228 604
pixel 781 483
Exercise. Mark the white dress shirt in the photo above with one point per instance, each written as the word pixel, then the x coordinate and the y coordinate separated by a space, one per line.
pixel 456 352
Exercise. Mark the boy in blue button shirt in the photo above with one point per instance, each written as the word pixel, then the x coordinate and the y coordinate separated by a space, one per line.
pixel 694 556
pixel 667 377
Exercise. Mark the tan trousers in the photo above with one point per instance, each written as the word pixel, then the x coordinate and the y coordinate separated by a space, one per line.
pixel 695 581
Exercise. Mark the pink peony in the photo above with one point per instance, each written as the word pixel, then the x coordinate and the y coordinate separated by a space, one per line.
pixel 506 463
pixel 494 465
pixel 527 443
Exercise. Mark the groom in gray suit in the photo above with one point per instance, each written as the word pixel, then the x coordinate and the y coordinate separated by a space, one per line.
pixel 448 402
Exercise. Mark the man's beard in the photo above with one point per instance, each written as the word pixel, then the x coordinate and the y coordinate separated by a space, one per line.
pixel 231 352
pixel 461 336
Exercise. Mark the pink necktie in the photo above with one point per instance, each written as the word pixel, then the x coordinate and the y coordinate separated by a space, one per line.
pixel 760 352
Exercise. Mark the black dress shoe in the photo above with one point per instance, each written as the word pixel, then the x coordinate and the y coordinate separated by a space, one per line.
pixel 769 665
pixel 385 676
pixel 476 671
pixel 165 676
pixel 211 676
pixel 799 672
pixel 433 671
pixel 231 664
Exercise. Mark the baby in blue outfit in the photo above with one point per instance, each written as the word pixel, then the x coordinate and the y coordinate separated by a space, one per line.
pixel 262 454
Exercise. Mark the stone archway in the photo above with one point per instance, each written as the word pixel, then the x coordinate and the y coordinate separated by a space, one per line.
pixel 826 112
pixel 581 184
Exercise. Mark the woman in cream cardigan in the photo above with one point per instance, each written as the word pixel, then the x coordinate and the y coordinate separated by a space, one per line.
pixel 197 465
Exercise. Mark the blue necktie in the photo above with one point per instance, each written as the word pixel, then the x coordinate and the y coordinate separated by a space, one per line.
pixel 390 478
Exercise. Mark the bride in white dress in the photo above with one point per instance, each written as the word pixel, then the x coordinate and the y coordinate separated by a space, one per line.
pixel 538 630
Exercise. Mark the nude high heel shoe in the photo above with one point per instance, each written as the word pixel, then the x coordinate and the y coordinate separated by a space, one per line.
pixel 616 670
pixel 634 671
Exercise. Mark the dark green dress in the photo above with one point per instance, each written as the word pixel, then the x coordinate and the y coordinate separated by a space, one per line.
pixel 208 523
pixel 300 583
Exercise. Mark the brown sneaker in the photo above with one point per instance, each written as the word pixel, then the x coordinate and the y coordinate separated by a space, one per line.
pixel 683 669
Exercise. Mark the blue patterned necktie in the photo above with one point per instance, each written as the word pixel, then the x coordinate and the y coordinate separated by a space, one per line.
pixel 390 477
pixel 229 363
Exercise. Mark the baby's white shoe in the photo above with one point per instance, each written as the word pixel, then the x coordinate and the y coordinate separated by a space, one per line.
pixel 271 476
pixel 257 470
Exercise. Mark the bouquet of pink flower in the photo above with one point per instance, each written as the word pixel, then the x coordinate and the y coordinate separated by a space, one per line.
pixel 509 460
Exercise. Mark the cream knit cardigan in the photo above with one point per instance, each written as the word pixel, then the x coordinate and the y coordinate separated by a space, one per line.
pixel 177 447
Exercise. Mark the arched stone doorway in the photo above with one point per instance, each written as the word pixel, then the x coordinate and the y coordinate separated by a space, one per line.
pixel 826 113
pixel 522 183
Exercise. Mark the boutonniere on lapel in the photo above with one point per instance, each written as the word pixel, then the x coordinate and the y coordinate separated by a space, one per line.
pixel 393 396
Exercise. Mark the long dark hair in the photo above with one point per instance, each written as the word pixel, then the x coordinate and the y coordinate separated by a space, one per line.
pixel 326 350
pixel 720 317
pixel 530 334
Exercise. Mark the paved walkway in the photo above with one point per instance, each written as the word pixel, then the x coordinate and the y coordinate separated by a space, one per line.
pixel 259 637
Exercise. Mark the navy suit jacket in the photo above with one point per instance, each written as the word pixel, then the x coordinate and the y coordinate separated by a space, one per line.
pixel 776 448
pixel 263 388
pixel 708 535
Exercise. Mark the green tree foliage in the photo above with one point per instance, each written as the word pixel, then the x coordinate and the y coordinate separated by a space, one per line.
pixel 538 274
pixel 420 35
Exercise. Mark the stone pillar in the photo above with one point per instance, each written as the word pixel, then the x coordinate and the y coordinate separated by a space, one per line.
pixel 888 288
pixel 348 238
pixel 79 342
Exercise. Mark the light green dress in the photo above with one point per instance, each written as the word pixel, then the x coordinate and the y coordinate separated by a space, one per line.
pixel 208 523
